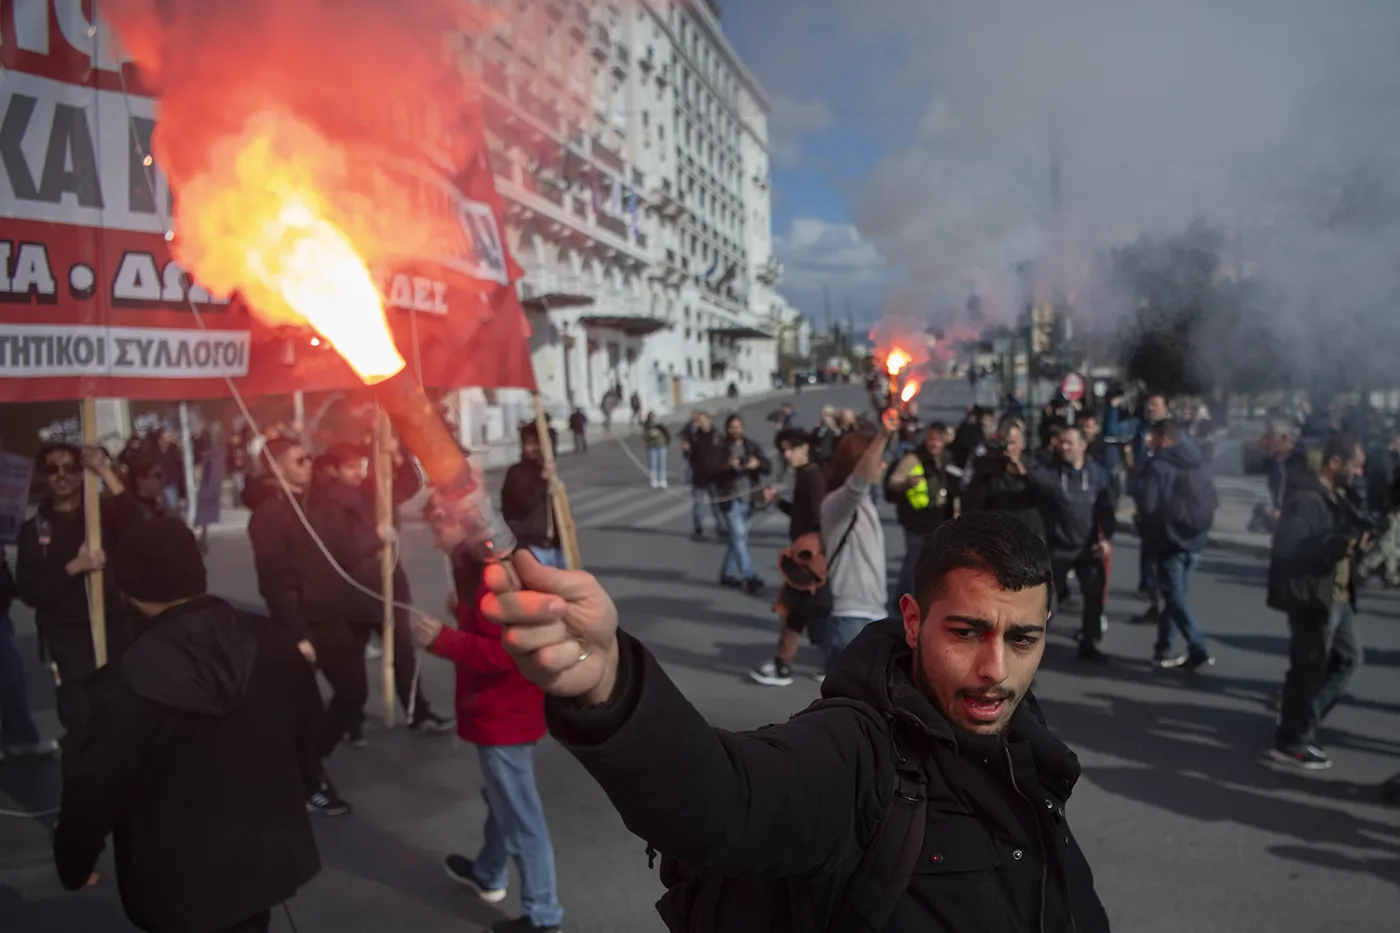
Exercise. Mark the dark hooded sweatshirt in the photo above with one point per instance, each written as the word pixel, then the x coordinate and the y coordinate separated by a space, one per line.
pixel 1159 485
pixel 198 761
pixel 800 800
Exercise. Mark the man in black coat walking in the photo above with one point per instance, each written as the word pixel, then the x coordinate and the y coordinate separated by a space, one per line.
pixel 1310 579
pixel 780 817
pixel 200 751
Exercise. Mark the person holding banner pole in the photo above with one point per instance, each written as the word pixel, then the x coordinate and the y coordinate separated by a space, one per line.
pixel 55 563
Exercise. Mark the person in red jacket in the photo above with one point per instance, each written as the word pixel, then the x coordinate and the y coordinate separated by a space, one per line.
pixel 502 714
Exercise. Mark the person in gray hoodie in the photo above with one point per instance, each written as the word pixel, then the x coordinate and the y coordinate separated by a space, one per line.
pixel 1080 521
pixel 1176 499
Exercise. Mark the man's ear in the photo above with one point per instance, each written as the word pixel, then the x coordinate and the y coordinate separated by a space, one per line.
pixel 913 619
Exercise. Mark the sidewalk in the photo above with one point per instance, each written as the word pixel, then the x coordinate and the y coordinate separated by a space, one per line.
pixel 496 457
pixel 1238 496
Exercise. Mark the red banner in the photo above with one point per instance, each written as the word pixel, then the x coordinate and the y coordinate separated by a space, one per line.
pixel 91 302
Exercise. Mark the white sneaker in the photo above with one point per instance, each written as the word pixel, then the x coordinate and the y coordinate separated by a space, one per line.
pixel 655 484
pixel 665 484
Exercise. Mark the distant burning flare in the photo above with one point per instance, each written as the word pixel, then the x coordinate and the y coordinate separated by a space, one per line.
pixel 911 389
pixel 896 361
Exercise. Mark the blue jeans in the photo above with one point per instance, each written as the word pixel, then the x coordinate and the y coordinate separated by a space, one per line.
pixel 701 497
pixel 516 829
pixel 657 458
pixel 1174 577
pixel 550 557
pixel 737 562
pixel 16 725
pixel 840 632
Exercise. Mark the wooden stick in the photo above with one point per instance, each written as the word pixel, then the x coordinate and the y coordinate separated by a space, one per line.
pixel 563 515
pixel 384 512
pixel 92 514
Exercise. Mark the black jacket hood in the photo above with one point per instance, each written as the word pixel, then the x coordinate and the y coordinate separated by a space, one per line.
pixel 197 656
pixel 875 669
pixel 1184 456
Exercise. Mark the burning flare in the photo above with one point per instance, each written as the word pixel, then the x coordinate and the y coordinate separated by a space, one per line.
pixel 260 219
pixel 896 361
pixel 911 389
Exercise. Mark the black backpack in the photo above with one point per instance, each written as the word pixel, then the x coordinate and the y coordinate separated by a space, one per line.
pixel 1193 503
pixel 695 903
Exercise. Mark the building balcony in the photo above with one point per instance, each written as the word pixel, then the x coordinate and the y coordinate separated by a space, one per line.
pixel 633 315
pixel 530 197
pixel 608 158
pixel 770 273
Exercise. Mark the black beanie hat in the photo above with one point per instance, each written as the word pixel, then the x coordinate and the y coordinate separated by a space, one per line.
pixel 158 561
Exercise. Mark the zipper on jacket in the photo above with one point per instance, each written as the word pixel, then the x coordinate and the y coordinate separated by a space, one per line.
pixel 1039 833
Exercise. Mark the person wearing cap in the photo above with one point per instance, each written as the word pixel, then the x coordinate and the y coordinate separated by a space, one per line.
pixel 201 751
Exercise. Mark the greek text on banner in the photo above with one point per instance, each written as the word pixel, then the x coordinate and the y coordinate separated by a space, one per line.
pixel 39 350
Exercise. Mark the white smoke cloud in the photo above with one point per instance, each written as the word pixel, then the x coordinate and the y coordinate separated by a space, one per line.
pixel 788 121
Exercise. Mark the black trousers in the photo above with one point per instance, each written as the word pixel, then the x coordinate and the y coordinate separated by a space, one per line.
pixel 580 442
pixel 1088 570
pixel 340 657
pixel 69 647
pixel 258 924
pixel 404 660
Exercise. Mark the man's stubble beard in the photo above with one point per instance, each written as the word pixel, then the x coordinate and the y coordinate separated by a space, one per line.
pixel 926 688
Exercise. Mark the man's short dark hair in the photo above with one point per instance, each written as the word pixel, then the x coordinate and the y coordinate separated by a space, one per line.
pixel 1341 445
pixel 937 427
pixel 280 445
pixel 794 437
pixel 1073 429
pixel 733 418
pixel 341 453
pixel 986 542
pixel 1170 429
pixel 60 447
pixel 1008 422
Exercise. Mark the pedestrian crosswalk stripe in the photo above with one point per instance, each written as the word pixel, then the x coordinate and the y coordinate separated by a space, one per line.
pixel 650 500
pixel 589 502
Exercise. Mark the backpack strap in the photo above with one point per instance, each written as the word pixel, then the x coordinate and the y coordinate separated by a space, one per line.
pixel 887 866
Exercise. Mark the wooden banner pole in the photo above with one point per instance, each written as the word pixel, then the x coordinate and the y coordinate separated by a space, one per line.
pixel 563 515
pixel 92 514
pixel 384 512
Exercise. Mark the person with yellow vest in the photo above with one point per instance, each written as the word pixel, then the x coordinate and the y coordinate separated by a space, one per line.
pixel 921 491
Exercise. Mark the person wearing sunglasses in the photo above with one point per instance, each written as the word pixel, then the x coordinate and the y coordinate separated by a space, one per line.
pixel 53 564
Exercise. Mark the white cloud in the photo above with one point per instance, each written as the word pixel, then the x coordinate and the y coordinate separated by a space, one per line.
pixel 819 256
pixel 789 120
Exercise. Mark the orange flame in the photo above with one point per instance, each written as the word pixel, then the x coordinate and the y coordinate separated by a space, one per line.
pixel 911 389
pixel 260 220
pixel 896 361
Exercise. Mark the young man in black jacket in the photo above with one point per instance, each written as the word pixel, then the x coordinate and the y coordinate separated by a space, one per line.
pixel 526 503
pixel 1081 518
pixel 785 812
pixel 698 442
pixel 305 595
pixel 999 481
pixel 803 510
pixel 200 752
pixel 1310 579
pixel 53 563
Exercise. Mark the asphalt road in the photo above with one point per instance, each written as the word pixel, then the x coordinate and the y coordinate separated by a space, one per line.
pixel 1185 827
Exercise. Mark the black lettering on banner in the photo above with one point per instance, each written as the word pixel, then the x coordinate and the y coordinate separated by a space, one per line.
pixel 84 351
pixel 163 358
pixel 182 355
pixel 12 130
pixel 46 356
pixel 4 350
pixel 21 351
pixel 231 355
pixel 202 353
pixel 102 352
pixel 70 143
pixel 64 354
pixel 123 344
pixel 144 348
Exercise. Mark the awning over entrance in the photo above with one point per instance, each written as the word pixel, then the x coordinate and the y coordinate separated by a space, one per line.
pixel 628 324
pixel 557 301
pixel 740 332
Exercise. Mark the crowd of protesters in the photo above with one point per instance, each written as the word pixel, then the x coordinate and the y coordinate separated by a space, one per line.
pixel 160 744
